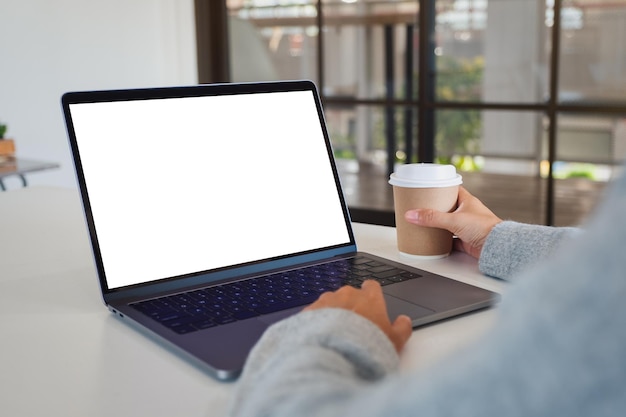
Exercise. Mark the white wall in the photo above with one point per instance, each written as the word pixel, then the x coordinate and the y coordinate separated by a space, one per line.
pixel 49 47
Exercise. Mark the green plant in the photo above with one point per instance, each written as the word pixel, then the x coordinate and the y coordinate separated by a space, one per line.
pixel 3 129
pixel 575 170
pixel 458 131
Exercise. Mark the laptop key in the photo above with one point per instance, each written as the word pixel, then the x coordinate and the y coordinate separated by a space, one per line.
pixel 359 260
pixel 183 329
pixel 245 314
pixel 204 324
pixel 225 320
pixel 356 283
pixel 388 273
pixel 179 321
pixel 272 308
pixel 382 268
pixel 169 315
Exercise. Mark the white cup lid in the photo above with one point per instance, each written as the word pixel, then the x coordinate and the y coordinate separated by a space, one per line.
pixel 425 176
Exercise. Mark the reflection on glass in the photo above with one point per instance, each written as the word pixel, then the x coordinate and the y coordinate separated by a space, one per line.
pixel 272 40
pixel 492 51
pixel 362 132
pixel 589 146
pixel 457 137
pixel 367 48
pixel 495 141
pixel 575 200
pixel 497 154
pixel 593 57
pixel 589 151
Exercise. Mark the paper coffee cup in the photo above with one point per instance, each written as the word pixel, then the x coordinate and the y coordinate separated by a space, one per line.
pixel 430 186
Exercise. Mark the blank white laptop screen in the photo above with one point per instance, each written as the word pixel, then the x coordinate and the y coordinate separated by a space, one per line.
pixel 182 185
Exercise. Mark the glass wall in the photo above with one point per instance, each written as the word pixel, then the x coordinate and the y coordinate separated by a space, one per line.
pixel 273 40
pixel 593 57
pixel 497 50
pixel 517 91
pixel 589 149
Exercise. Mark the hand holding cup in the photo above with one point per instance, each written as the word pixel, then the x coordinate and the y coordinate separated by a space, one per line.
pixel 424 186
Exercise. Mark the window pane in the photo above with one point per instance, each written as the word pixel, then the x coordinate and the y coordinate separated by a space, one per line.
pixel 495 134
pixel 365 48
pixel 498 155
pixel 590 151
pixel 272 41
pixel 492 50
pixel 576 197
pixel 359 138
pixel 591 138
pixel 362 132
pixel 593 57
pixel 511 197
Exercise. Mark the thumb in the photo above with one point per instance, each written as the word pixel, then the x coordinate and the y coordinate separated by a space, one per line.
pixel 402 329
pixel 430 218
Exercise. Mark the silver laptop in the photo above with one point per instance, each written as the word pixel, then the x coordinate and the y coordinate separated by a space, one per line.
pixel 216 210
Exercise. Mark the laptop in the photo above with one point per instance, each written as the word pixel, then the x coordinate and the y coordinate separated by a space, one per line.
pixel 216 210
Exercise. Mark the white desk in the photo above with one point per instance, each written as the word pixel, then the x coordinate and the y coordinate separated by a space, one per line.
pixel 62 353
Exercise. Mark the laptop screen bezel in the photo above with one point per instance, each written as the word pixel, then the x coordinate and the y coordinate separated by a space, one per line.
pixel 219 274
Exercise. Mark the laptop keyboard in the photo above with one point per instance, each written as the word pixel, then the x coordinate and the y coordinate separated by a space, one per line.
pixel 203 308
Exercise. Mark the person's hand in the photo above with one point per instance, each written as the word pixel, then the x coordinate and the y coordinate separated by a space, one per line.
pixel 471 222
pixel 369 303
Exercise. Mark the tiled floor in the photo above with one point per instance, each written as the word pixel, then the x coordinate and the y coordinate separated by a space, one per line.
pixel 519 198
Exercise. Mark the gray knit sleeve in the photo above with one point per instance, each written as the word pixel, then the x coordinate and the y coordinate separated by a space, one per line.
pixel 511 247
pixel 328 354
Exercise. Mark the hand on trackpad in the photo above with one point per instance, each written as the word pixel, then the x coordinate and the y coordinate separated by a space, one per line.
pixel 396 307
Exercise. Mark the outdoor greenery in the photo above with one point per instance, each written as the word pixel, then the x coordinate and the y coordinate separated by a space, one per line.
pixel 575 170
pixel 458 131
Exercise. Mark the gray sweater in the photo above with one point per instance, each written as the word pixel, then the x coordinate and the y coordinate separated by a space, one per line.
pixel 558 347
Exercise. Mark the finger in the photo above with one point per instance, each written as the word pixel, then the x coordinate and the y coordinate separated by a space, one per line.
pixel 374 292
pixel 403 325
pixel 464 194
pixel 321 301
pixel 430 218
pixel 402 329
pixel 458 245
pixel 371 285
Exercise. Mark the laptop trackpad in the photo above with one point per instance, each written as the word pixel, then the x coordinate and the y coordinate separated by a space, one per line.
pixel 278 316
pixel 396 307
